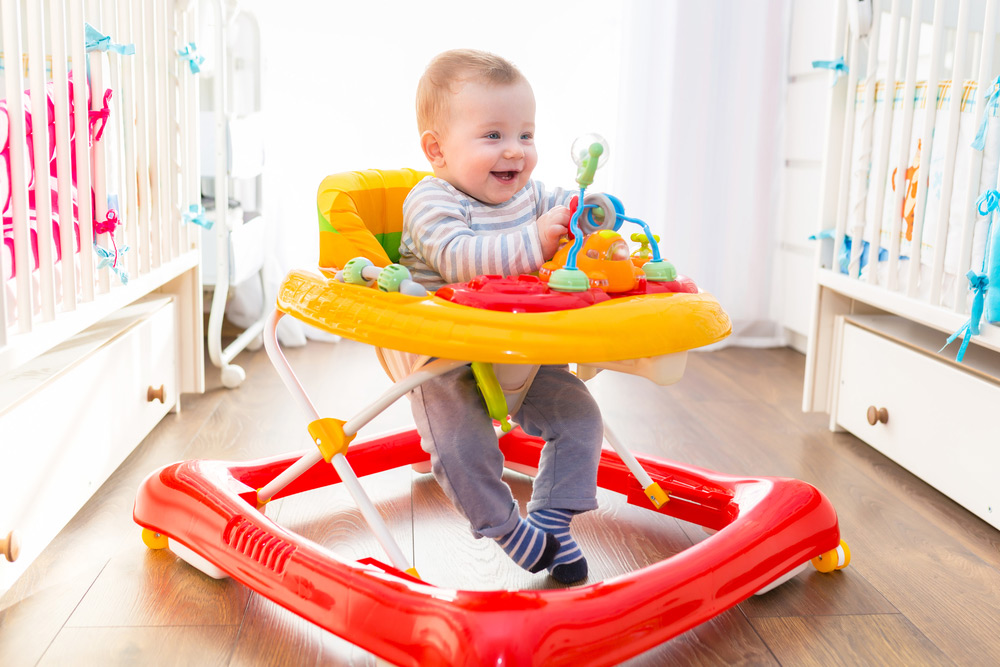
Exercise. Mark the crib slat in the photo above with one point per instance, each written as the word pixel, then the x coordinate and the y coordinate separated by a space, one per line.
pixel 862 163
pixel 909 90
pixel 98 157
pixel 944 210
pixel 927 146
pixel 81 122
pixel 143 166
pixel 847 157
pixel 172 128
pixel 879 171
pixel 113 133
pixel 129 191
pixel 970 213
pixel 40 146
pixel 19 163
pixel 153 122
pixel 191 105
pixel 167 120
pixel 64 183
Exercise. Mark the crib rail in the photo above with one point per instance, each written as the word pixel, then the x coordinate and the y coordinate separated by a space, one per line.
pixel 906 177
pixel 132 161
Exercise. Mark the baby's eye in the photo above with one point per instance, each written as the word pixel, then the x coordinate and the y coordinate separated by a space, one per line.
pixel 527 136
pixel 493 135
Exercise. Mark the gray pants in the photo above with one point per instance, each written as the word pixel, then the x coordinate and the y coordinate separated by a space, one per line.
pixel 457 432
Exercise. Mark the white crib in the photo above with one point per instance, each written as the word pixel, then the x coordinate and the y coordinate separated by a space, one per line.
pixel 901 181
pixel 96 341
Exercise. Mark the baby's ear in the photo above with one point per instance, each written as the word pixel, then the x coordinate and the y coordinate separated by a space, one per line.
pixel 431 146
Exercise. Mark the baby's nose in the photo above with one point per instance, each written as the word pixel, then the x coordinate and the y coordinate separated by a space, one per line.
pixel 513 150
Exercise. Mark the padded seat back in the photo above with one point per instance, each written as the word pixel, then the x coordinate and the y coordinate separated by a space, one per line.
pixel 361 215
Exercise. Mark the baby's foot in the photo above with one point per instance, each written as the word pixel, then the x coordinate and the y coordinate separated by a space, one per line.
pixel 531 548
pixel 569 564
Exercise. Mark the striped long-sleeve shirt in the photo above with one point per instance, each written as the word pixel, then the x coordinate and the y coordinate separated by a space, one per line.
pixel 449 237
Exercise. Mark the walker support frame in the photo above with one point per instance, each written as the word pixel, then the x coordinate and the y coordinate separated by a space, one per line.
pixel 767 527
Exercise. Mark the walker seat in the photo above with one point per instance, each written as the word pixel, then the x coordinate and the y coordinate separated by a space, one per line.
pixel 210 512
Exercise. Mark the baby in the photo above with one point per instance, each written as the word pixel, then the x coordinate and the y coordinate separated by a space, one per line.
pixel 482 214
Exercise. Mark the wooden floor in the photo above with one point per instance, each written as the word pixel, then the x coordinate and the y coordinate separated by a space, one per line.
pixel 923 586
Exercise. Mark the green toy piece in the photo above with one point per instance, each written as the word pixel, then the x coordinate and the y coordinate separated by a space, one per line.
pixel 353 271
pixel 588 166
pixel 489 386
pixel 569 280
pixel 644 252
pixel 661 271
pixel 391 277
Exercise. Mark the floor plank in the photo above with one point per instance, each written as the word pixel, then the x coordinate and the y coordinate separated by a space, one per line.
pixel 180 646
pixel 152 588
pixel 888 639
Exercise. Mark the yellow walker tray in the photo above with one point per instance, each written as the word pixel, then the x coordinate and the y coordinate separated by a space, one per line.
pixel 619 329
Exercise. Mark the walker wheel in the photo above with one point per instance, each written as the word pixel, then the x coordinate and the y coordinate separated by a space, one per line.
pixel 154 540
pixel 835 559
pixel 233 376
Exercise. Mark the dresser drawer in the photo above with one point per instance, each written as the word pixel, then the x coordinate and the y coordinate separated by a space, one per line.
pixel 940 418
pixel 84 407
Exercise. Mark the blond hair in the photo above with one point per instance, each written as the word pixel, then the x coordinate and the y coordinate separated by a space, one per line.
pixel 452 68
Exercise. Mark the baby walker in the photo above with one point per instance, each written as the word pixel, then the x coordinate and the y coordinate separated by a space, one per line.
pixel 594 305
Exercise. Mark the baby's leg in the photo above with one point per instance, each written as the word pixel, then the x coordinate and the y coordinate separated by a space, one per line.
pixel 457 432
pixel 560 410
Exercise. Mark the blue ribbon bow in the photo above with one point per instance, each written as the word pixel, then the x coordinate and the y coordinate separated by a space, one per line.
pixel 190 54
pixel 837 66
pixel 992 102
pixel 978 282
pixel 844 259
pixel 990 199
pixel 97 41
pixel 196 214
pixel 114 260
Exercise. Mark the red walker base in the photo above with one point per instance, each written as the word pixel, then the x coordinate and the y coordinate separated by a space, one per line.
pixel 767 528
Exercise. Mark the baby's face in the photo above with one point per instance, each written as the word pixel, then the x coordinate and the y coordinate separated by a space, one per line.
pixel 488 146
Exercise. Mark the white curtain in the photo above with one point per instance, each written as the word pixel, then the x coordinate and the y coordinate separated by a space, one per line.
pixel 702 94
pixel 688 94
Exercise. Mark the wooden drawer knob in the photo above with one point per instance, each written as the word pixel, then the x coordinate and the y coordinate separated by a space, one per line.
pixel 876 415
pixel 10 546
pixel 154 394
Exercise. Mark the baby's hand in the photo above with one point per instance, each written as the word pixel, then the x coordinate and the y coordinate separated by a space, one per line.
pixel 552 225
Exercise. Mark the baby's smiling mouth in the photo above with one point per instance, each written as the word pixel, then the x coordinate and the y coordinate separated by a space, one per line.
pixel 504 176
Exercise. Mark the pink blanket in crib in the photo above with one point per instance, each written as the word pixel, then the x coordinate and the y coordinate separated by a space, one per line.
pixel 97 121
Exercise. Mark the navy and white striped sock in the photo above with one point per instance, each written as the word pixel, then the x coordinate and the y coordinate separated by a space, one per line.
pixel 569 565
pixel 529 547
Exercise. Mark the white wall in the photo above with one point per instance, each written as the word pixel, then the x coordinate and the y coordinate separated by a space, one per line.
pixel 804 136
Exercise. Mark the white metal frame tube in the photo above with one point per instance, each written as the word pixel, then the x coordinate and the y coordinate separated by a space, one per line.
pixel 352 426
pixel 627 457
